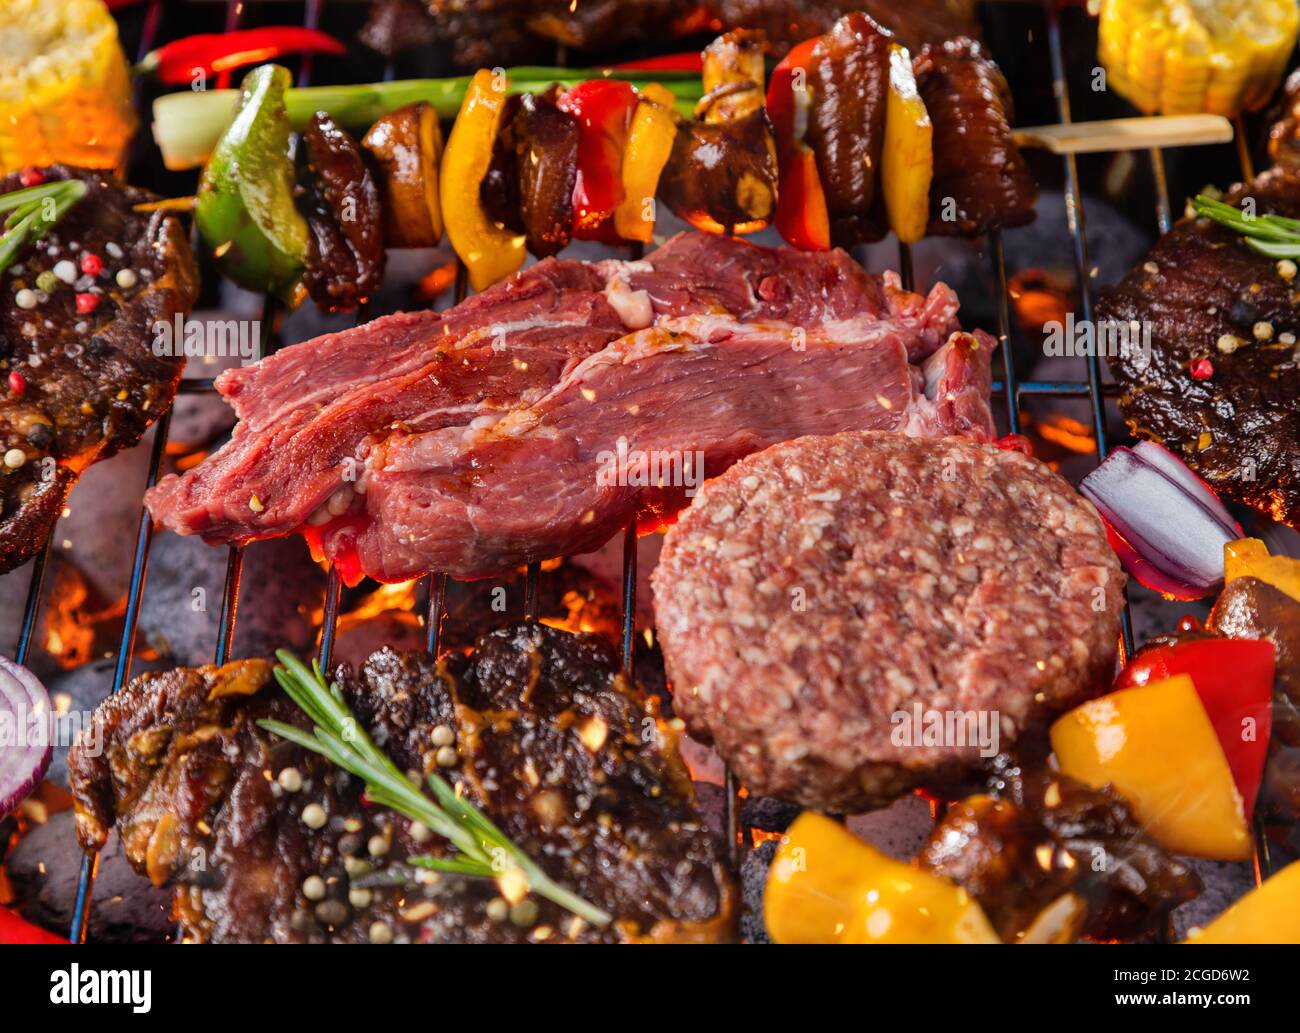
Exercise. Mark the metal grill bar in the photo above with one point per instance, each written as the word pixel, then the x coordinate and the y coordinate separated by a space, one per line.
pixel 1004 332
pixel 1078 235
pixel 139 571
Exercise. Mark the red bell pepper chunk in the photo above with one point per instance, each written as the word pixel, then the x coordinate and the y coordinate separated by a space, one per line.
pixel 1234 680
pixel 180 60
pixel 690 61
pixel 801 215
pixel 17 930
pixel 603 108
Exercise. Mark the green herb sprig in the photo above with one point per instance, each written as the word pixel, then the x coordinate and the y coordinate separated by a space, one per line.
pixel 1273 235
pixel 32 211
pixel 483 849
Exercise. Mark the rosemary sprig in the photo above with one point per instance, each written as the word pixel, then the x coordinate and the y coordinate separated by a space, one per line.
pixel 32 211
pixel 483 849
pixel 1273 235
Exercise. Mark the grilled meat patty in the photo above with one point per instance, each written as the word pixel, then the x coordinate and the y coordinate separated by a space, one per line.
pixel 553 743
pixel 816 593
pixel 1221 384
pixel 78 386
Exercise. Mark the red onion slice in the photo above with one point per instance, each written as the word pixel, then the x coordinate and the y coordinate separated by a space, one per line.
pixel 1166 525
pixel 26 743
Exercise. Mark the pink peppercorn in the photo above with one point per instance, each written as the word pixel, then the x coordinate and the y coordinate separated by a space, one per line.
pixel 1202 369
pixel 17 383
pixel 87 303
pixel 91 264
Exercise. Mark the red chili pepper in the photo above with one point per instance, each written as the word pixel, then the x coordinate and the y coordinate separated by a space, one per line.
pixel 91 264
pixel 603 108
pixel 690 61
pixel 801 215
pixel 87 303
pixel 17 383
pixel 1234 680
pixel 31 176
pixel 17 930
pixel 180 60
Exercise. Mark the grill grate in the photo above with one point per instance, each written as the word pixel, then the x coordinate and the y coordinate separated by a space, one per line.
pixel 434 589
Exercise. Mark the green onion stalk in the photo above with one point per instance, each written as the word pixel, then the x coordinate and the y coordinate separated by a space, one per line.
pixel 31 212
pixel 188 124
pixel 1273 235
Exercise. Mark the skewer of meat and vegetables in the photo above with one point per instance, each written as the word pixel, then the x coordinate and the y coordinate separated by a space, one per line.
pixel 865 590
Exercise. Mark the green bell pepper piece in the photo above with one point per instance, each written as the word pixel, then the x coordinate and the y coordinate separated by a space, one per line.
pixel 245 210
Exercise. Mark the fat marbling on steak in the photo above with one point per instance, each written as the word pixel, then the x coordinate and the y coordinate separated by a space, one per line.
pixel 821 588
pixel 77 387
pixel 474 440
pixel 552 742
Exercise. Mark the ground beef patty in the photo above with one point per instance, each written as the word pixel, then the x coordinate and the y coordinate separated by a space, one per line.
pixel 819 588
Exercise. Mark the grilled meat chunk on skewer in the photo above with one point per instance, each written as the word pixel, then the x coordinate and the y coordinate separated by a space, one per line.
pixel 80 378
pixel 550 740
pixel 1219 383
pixel 980 178
pixel 1050 836
pixel 341 205
pixel 848 78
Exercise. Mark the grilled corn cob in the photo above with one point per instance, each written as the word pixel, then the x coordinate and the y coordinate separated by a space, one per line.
pixel 1177 57
pixel 65 90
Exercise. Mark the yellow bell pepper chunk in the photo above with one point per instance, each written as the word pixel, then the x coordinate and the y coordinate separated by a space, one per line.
pixel 907 165
pixel 489 250
pixel 1270 913
pixel 1248 557
pixel 649 145
pixel 827 886
pixel 1155 746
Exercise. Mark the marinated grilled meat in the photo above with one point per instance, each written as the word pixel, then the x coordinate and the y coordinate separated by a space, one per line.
pixel 546 162
pixel 822 588
pixel 914 23
pixel 341 205
pixel 848 78
pixel 483 34
pixel 1048 836
pixel 81 380
pixel 722 175
pixel 529 183
pixel 1284 133
pixel 980 179
pixel 552 742
pixel 1219 383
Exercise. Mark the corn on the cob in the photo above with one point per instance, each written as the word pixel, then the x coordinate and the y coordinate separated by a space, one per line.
pixel 1178 57
pixel 65 90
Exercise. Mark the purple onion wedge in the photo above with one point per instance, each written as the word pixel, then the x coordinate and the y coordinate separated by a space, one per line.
pixel 26 744
pixel 1166 525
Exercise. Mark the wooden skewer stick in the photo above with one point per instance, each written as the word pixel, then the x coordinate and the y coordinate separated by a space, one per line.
pixel 1127 134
